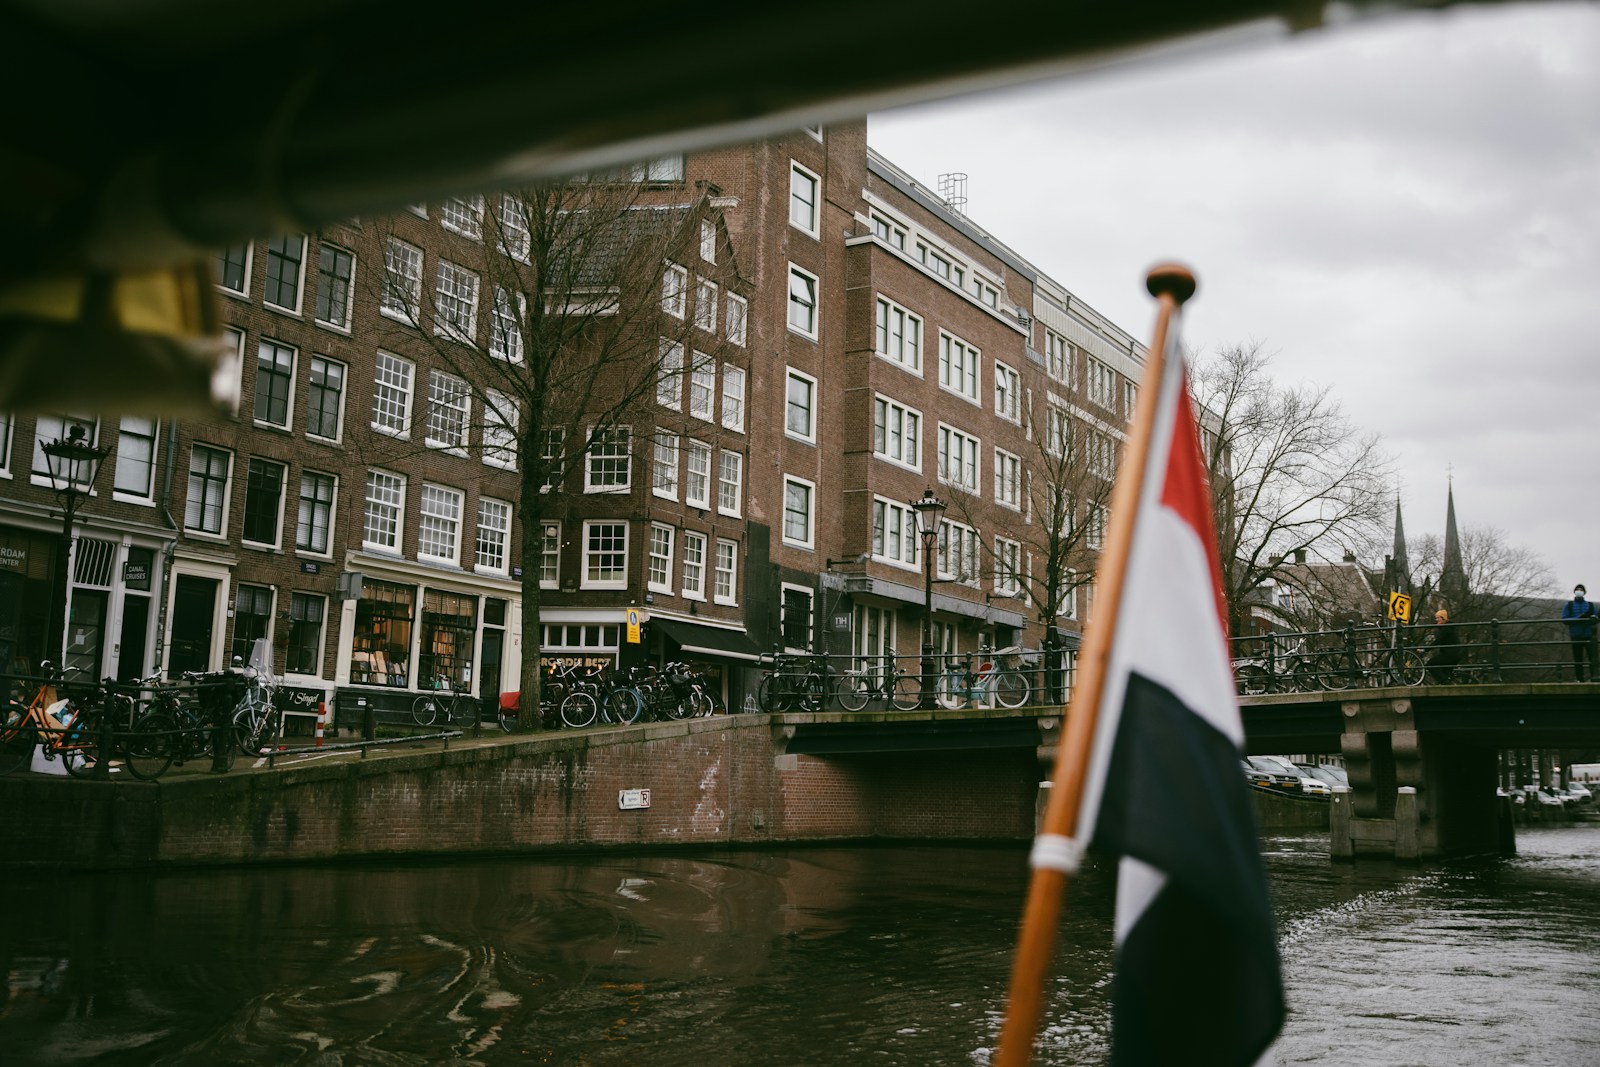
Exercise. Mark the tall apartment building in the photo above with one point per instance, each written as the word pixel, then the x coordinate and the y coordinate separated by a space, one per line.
pixel 834 341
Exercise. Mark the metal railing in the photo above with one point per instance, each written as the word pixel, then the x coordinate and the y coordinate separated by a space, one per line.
pixel 980 678
pixel 1380 655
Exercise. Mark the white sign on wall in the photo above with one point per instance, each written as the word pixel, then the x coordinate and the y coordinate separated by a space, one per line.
pixel 633 799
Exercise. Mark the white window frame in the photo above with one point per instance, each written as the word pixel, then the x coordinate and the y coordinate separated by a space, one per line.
pixel 808 433
pixel 463 215
pixel 340 324
pixel 702 387
pixel 1007 566
pixel 613 444
pixel 226 492
pixel 590 554
pixel 733 393
pixel 675 290
pixel 697 474
pixel 899 333
pixel 125 455
pixel 959 367
pixel 1058 357
pixel 805 215
pixel 449 410
pixel 730 482
pixel 957 539
pixel 1100 383
pixel 401 296
pixel 344 391
pixel 505 325
pixel 395 509
pixel 1007 392
pixel 658 568
pixel 705 304
pixel 896 432
pixel 549 554
pixel 809 488
pixel 434 514
pixel 694 566
pixel 299 277
pixel 960 459
pixel 890 231
pixel 328 508
pixel 500 535
pixel 498 439
pixel 1094 526
pixel 725 574
pixel 895 539
pixel 249 262
pixel 1007 479
pixel 277 508
pixel 708 241
pixel 805 312
pixel 664 466
pixel 277 347
pixel 455 302
pixel 669 375
pixel 396 413
pixel 736 319
pixel 516 238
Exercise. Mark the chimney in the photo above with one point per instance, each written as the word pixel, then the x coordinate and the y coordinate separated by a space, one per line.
pixel 1349 556
pixel 1299 555
pixel 1274 560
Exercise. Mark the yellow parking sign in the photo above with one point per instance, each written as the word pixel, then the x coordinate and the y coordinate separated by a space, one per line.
pixel 1400 607
pixel 633 626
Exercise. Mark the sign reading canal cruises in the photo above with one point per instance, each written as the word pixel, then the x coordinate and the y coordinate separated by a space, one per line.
pixel 1400 607
pixel 633 799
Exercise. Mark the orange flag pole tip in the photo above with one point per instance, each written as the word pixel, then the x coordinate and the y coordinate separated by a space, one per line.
pixel 1171 278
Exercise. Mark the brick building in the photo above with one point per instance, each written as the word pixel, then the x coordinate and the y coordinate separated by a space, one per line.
pixel 834 340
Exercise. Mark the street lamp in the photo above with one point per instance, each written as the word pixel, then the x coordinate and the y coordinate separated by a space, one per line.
pixel 73 464
pixel 930 510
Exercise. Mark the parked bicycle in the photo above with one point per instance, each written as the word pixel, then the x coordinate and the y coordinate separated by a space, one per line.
pixel 453 705
pixel 64 728
pixel 1293 669
pixel 257 717
pixel 878 680
pixel 170 727
pixel 796 682
pixel 1379 659
pixel 996 680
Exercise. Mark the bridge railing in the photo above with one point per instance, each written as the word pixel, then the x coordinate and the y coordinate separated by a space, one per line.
pixel 1383 654
pixel 981 678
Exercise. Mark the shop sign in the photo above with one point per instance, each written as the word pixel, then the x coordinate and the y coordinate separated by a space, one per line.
pixel 136 575
pixel 13 558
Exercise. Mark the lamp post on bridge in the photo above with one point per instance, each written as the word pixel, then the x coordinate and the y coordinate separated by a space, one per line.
pixel 930 511
pixel 74 463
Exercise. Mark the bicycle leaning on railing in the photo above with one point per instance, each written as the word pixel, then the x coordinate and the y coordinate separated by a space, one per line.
pixel 997 680
pixel 457 706
pixel 795 682
pixel 63 727
pixel 878 679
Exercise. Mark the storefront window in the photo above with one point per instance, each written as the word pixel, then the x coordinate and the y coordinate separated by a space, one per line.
pixel 449 622
pixel 382 647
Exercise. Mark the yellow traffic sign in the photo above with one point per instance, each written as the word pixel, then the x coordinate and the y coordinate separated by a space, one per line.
pixel 633 626
pixel 1400 607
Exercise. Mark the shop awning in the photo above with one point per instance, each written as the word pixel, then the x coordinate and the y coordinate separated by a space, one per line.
pixel 709 640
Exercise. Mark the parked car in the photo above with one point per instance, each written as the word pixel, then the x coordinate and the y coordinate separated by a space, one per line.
pixel 1278 779
pixel 1580 793
pixel 1328 776
pixel 1309 786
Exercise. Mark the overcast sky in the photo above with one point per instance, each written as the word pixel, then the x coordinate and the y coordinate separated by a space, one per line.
pixel 1407 210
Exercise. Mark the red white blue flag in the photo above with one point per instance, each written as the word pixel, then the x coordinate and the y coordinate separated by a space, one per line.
pixel 1197 977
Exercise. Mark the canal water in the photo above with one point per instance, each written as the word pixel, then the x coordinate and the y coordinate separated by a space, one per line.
pixel 885 955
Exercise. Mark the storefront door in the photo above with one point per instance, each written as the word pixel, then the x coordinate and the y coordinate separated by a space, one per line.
pixel 194 609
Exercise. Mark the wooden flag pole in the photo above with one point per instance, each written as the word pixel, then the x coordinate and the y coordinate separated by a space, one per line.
pixel 1171 284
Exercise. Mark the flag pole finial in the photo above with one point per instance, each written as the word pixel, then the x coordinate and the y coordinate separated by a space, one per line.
pixel 1171 278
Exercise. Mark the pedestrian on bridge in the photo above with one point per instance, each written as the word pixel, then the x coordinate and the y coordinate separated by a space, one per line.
pixel 1579 615
pixel 1446 648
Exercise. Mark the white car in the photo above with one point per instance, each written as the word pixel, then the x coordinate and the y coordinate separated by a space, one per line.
pixel 1309 786
pixel 1579 793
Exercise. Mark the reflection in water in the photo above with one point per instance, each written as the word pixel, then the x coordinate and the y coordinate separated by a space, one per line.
pixel 900 955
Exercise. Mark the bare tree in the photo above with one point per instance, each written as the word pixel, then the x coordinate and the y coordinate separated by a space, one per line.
pixel 1501 578
pixel 561 317
pixel 1289 473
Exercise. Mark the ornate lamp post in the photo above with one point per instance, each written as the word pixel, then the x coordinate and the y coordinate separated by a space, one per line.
pixel 73 463
pixel 930 510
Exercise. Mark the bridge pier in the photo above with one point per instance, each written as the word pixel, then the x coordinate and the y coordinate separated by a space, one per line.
pixel 1413 795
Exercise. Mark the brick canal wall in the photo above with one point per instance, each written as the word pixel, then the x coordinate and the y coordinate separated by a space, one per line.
pixel 712 782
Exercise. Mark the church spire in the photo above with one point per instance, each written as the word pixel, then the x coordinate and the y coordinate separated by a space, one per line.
pixel 1398 578
pixel 1453 578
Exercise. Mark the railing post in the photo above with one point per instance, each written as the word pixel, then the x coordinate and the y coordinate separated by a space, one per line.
pixel 1272 663
pixel 1350 654
pixel 1494 649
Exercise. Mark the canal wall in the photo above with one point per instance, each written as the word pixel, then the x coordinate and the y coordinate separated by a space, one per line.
pixel 722 781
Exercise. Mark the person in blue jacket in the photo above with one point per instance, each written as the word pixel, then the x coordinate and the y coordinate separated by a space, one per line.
pixel 1579 615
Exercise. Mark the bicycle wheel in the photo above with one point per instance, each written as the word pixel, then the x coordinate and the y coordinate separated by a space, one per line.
pixel 1332 674
pixel 507 718
pixel 907 692
pixel 80 747
pixel 1010 689
pixel 853 690
pixel 623 705
pixel 578 709
pixel 425 709
pixel 147 751
pixel 770 693
pixel 1251 678
pixel 700 703
pixel 679 706
pixel 1407 668
pixel 812 691
pixel 464 711
pixel 949 691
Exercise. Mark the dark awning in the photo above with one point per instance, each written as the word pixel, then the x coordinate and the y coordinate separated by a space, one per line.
pixel 709 640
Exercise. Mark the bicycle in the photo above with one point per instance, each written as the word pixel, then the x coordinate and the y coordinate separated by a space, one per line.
pixel 458 706
pixel 795 683
pixel 855 689
pixel 168 730
pixel 996 681
pixel 58 725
